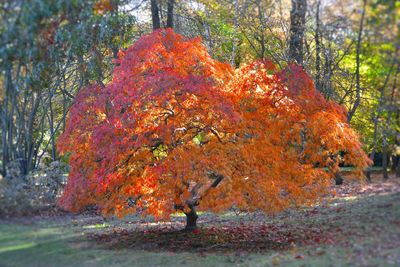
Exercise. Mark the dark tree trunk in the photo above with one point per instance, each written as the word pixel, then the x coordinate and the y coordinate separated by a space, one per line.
pixel 155 16
pixel 261 38
pixel 235 39
pixel 396 163
pixel 170 14
pixel 338 179
pixel 398 167
pixel 358 62
pixel 317 51
pixel 297 25
pixel 395 159
pixel 386 130
pixel 375 119
pixel 396 156
pixel 375 140
pixel 5 118
pixel 191 220
pixel 369 170
pixel 385 160
pixel 385 146
pixel 115 14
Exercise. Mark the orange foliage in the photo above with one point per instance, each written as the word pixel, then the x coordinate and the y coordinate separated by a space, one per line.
pixel 103 6
pixel 176 128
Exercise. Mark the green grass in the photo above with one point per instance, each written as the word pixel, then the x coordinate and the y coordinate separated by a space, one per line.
pixel 349 169
pixel 369 236
pixel 22 245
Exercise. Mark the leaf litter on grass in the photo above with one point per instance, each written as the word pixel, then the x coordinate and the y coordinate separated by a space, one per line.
pixel 359 225
pixel 348 217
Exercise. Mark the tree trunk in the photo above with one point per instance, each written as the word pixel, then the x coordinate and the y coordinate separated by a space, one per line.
pixel 358 53
pixel 385 158
pixel 191 219
pixel 261 38
pixel 235 39
pixel 338 179
pixel 375 119
pixel 52 130
pixel 369 169
pixel 397 142
pixel 207 34
pixel 115 14
pixel 5 118
pixel 387 126
pixel 317 50
pixel 170 14
pixel 326 81
pixel 398 167
pixel 396 156
pixel 297 25
pixel 397 133
pixel 395 159
pixel 375 141
pixel 155 16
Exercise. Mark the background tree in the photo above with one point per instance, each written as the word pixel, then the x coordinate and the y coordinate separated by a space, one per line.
pixel 157 11
pixel 50 49
pixel 170 14
pixel 66 52
pixel 357 74
pixel 297 29
pixel 155 15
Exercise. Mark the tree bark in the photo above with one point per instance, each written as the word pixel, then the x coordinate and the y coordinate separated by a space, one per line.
pixel 396 155
pixel 170 14
pixel 5 118
pixel 398 166
pixel 387 126
pixel 191 219
pixel 385 157
pixel 297 26
pixel 155 16
pixel 398 169
pixel 358 53
pixel 207 34
pixel 317 50
pixel 326 81
pixel 338 179
pixel 396 162
pixel 235 39
pixel 397 142
pixel 261 38
pixel 375 119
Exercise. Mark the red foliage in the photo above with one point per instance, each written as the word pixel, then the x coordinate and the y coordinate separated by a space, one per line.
pixel 175 128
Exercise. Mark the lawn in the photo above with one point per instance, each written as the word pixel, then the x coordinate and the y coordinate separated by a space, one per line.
pixel 360 226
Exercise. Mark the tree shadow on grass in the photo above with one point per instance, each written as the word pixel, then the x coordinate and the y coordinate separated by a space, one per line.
pixel 343 222
pixel 231 238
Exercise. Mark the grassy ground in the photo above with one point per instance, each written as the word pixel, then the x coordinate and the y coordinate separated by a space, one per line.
pixel 359 227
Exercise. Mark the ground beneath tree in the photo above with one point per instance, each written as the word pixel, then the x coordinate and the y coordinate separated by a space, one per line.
pixel 360 225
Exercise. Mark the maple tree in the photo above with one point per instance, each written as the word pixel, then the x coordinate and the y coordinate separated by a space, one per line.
pixel 178 130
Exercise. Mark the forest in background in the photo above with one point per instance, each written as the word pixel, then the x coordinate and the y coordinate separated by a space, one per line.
pixel 152 125
pixel 50 49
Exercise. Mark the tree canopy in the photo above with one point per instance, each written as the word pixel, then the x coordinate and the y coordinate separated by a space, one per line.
pixel 177 130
